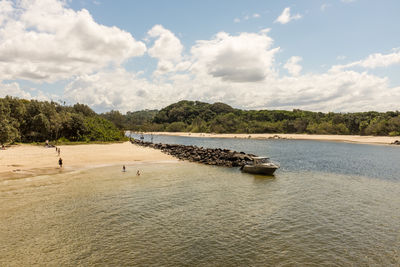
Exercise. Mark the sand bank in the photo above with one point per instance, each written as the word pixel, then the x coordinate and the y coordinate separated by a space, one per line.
pixel 378 140
pixel 30 160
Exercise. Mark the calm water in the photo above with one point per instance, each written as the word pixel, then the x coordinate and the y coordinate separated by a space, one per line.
pixel 331 204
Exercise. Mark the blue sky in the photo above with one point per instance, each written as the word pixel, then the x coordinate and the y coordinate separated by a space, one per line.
pixel 337 55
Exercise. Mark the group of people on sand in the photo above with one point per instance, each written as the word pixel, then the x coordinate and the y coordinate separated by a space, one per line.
pixel 60 161
pixel 124 170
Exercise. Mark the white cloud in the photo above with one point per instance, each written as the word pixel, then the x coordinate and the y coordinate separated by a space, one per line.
pixel 6 8
pixel 285 17
pixel 340 91
pixel 372 61
pixel 292 66
pixel 238 70
pixel 167 46
pixel 13 89
pixel 43 40
pixel 325 6
pixel 167 49
pixel 348 1
pixel 380 60
pixel 247 17
pixel 331 91
pixel 122 90
pixel 247 57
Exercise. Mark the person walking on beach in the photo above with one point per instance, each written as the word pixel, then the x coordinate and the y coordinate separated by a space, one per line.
pixel 59 151
pixel 123 168
pixel 60 162
pixel 138 173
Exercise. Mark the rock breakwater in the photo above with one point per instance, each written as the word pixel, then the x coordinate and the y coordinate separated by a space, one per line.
pixel 209 156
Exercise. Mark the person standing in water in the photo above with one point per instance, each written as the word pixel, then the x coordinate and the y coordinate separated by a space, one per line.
pixel 60 162
pixel 123 168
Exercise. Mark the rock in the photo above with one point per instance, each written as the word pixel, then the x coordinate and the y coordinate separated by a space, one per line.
pixel 210 156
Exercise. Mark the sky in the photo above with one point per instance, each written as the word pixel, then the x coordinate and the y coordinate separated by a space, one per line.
pixel 317 55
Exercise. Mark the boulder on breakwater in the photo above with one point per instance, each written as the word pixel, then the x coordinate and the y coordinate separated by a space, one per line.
pixel 209 156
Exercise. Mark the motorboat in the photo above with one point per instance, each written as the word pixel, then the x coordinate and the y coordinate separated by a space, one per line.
pixel 260 165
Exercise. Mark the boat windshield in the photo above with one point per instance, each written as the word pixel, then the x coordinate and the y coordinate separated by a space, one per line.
pixel 261 160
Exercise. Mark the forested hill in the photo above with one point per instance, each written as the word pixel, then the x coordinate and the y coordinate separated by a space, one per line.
pixel 36 121
pixel 195 116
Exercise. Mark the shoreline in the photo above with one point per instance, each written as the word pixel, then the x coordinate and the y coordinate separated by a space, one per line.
pixel 370 140
pixel 22 161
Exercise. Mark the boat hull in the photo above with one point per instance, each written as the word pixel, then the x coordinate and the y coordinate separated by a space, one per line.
pixel 259 169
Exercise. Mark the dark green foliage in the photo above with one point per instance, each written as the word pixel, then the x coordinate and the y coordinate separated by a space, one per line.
pixel 116 117
pixel 100 129
pixel 37 121
pixel 176 126
pixel 84 110
pixel 197 116
pixel 186 111
pixel 138 120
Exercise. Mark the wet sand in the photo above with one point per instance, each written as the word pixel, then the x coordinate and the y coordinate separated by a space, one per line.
pixel 32 160
pixel 377 140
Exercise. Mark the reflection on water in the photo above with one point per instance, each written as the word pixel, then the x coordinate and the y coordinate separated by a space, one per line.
pixel 195 215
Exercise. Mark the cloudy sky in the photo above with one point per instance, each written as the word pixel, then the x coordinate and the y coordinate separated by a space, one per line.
pixel 320 55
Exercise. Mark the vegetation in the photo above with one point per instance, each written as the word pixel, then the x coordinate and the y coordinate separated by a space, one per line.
pixel 36 121
pixel 135 121
pixel 195 116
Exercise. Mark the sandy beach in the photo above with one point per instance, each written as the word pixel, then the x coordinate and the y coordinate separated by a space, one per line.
pixel 31 160
pixel 377 140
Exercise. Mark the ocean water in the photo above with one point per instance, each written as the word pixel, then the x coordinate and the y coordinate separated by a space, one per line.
pixel 330 204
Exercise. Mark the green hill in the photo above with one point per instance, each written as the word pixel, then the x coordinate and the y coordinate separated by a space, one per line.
pixel 195 116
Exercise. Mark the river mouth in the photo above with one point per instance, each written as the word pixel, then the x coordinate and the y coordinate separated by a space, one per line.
pixel 191 214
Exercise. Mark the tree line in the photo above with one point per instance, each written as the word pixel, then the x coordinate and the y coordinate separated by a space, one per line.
pixel 196 116
pixel 36 121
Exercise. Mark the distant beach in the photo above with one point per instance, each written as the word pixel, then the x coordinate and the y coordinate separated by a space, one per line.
pixel 376 140
pixel 32 160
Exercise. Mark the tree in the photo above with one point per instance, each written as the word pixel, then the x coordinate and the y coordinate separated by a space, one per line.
pixel 115 117
pixel 8 125
pixel 8 133
pixel 177 126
